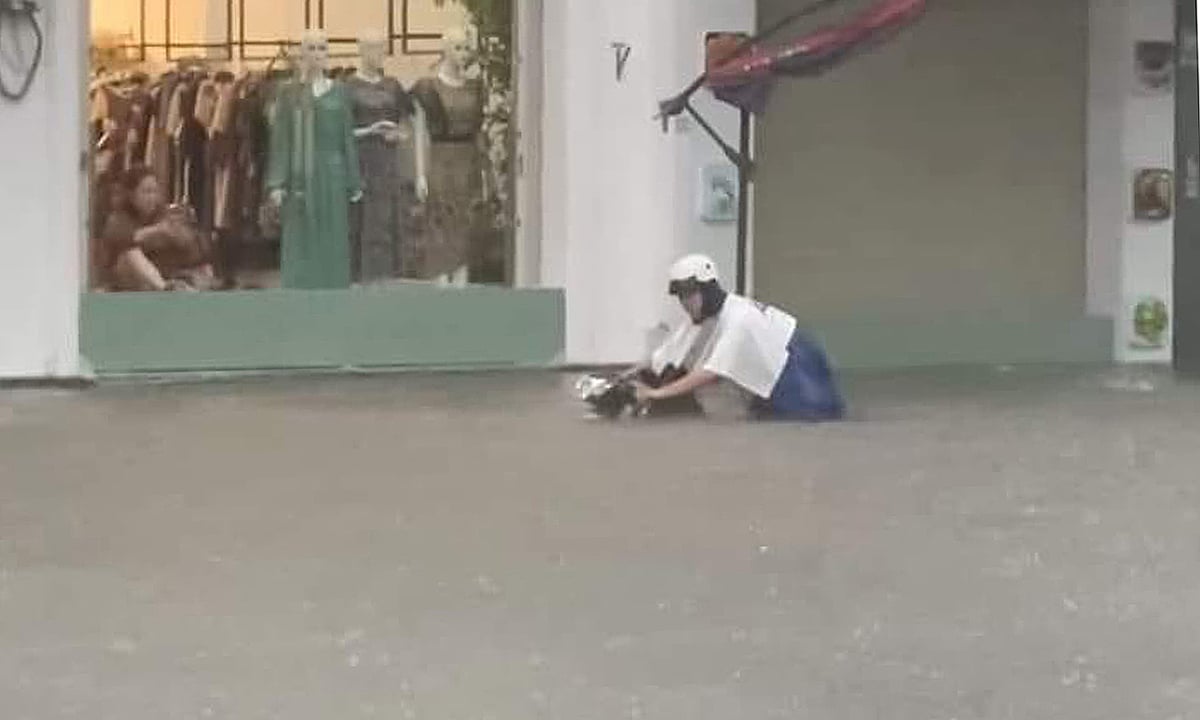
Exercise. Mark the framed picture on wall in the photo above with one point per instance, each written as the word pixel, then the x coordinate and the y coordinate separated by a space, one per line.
pixel 1154 69
pixel 1153 194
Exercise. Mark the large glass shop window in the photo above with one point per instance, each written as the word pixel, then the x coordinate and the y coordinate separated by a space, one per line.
pixel 299 144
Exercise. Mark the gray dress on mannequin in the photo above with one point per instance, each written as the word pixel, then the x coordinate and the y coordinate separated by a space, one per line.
pixel 385 220
pixel 455 117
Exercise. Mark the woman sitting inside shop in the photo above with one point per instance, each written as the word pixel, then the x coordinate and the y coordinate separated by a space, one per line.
pixel 147 246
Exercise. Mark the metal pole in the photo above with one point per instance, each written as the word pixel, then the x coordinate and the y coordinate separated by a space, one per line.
pixel 242 29
pixel 391 21
pixel 743 221
pixel 404 27
pixel 142 30
pixel 734 157
pixel 167 23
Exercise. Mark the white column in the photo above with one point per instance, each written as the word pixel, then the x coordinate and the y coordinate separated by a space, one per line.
pixel 619 196
pixel 530 82
pixel 1147 257
pixel 41 203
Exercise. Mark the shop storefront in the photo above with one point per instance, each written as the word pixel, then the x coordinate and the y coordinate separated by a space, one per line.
pixel 940 199
pixel 222 192
pixel 343 182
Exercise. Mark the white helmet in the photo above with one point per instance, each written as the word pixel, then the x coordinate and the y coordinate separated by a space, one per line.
pixel 696 268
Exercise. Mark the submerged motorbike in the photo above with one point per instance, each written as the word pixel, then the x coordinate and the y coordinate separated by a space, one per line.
pixel 613 396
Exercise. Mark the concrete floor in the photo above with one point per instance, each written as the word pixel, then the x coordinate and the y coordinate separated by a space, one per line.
pixel 979 544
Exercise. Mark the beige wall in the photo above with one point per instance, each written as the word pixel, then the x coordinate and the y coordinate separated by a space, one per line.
pixel 942 175
pixel 197 21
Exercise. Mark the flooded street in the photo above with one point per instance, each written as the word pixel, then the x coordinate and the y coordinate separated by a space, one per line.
pixel 988 543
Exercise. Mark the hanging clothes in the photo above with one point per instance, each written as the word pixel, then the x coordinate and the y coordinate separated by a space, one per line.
pixel 141 105
pixel 174 127
pixel 111 113
pixel 252 133
pixel 220 187
pixel 159 148
pixel 120 117
pixel 314 160
pixel 189 139
pixel 222 152
pixel 195 139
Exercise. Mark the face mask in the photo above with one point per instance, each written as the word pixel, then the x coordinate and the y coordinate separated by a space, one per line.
pixel 711 294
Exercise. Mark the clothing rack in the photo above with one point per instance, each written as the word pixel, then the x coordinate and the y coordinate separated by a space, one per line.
pixel 211 162
pixel 236 44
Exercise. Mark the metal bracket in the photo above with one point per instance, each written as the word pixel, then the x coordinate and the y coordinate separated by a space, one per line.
pixel 741 160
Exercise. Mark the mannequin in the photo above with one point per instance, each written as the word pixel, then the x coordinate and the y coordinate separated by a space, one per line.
pixel 453 104
pixel 393 149
pixel 313 172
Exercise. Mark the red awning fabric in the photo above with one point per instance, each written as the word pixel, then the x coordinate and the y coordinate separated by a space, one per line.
pixel 746 80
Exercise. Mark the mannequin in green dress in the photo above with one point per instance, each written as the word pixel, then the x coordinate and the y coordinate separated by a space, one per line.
pixel 313 173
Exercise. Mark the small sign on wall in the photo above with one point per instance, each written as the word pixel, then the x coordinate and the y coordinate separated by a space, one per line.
pixel 1154 69
pixel 719 193
pixel 1149 324
pixel 1153 194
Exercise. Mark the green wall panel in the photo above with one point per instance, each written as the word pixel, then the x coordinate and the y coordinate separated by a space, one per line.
pixel 407 325
pixel 868 344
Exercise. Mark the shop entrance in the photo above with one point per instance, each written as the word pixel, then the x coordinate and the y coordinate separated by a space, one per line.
pixel 302 184
pixel 925 202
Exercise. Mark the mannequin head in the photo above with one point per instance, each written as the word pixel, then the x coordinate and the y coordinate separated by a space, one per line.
pixel 314 53
pixel 456 50
pixel 372 47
